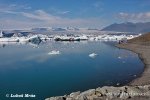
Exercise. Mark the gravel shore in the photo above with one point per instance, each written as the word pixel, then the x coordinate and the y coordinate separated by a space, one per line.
pixel 144 53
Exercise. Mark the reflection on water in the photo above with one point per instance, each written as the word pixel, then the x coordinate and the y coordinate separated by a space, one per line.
pixel 28 68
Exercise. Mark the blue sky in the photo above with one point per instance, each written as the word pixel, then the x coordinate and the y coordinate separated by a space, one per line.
pixel 20 14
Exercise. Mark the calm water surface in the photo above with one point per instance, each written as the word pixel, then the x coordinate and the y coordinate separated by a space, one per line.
pixel 25 68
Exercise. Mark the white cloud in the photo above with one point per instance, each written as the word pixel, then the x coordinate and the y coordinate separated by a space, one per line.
pixel 58 11
pixel 40 15
pixel 15 16
pixel 13 7
pixel 40 18
pixel 64 12
pixel 135 16
pixel 57 20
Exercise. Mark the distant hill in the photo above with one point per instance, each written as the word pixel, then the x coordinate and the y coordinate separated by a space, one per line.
pixel 141 39
pixel 39 29
pixel 129 27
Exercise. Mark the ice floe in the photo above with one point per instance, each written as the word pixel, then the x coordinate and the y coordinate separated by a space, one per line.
pixel 54 52
pixel 93 55
pixel 119 57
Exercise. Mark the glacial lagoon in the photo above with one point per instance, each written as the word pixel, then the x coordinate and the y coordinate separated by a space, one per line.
pixel 32 69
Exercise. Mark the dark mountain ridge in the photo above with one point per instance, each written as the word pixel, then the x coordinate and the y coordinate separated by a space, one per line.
pixel 129 27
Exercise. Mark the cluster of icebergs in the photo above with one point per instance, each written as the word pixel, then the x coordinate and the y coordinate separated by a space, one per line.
pixel 103 37
pixel 81 37
pixel 33 38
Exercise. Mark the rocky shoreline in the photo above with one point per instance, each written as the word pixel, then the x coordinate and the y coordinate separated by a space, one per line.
pixel 138 89
pixel 109 93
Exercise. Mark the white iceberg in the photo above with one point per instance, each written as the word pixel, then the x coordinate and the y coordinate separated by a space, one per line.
pixel 9 39
pixel 119 57
pixel 92 55
pixel 54 52
pixel 1 34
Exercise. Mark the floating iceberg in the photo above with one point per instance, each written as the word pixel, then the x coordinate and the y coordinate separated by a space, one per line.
pixel 9 39
pixel 119 57
pixel 54 52
pixel 1 34
pixel 92 55
pixel 35 39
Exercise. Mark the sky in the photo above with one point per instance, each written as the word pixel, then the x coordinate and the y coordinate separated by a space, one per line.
pixel 24 14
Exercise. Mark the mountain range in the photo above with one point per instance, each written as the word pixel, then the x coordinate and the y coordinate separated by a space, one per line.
pixel 129 27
